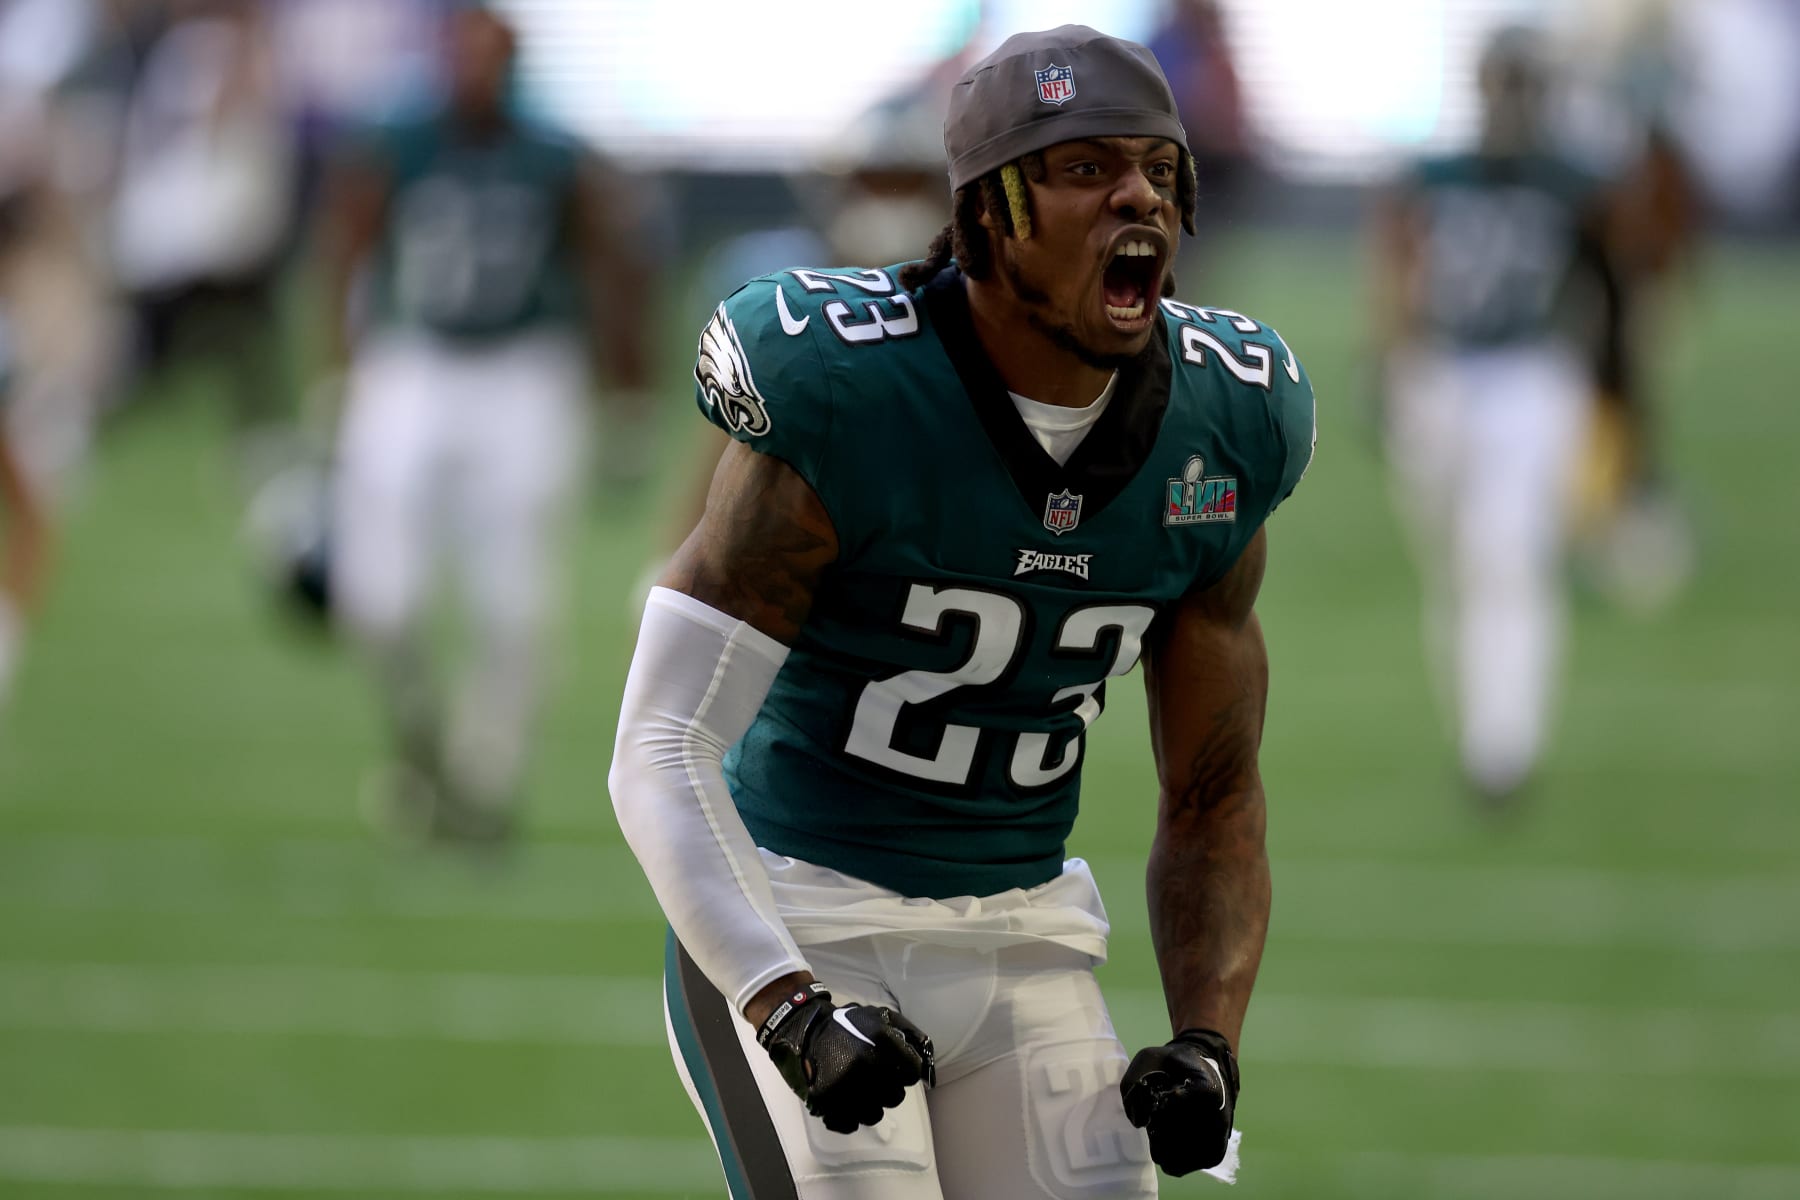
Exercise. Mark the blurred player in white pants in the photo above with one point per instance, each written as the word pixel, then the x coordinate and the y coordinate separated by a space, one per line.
pixel 1483 444
pixel 1487 405
pixel 488 244
pixel 470 456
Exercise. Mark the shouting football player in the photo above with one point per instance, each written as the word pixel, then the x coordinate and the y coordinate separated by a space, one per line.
pixel 963 495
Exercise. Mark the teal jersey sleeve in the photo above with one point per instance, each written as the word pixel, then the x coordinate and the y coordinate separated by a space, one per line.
pixel 1294 413
pixel 760 377
pixel 1249 386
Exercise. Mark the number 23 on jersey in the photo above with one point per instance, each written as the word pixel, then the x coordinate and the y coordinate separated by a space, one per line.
pixel 997 646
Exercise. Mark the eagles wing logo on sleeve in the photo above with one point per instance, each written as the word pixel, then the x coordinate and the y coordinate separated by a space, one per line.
pixel 723 373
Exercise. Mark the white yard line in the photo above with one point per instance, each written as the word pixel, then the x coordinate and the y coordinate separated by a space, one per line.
pixel 548 882
pixel 1557 1177
pixel 333 1002
pixel 1301 1030
pixel 374 1165
pixel 1428 1034
pixel 1350 901
pixel 367 1164
pixel 1366 901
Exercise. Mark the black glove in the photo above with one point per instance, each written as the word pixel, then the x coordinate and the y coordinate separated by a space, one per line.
pixel 1185 1094
pixel 848 1062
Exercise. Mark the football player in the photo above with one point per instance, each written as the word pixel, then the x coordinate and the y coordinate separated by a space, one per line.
pixel 962 495
pixel 202 214
pixel 1635 541
pixel 494 249
pixel 1488 402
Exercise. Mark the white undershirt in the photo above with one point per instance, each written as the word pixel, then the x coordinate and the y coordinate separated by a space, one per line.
pixel 1057 429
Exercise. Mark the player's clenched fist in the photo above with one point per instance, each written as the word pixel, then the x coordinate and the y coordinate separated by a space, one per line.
pixel 849 1062
pixel 1184 1093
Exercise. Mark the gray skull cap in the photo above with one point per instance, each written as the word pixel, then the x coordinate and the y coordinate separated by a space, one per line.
pixel 1058 85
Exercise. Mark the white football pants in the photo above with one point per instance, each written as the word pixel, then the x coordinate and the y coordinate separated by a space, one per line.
pixel 460 455
pixel 1483 446
pixel 1027 1099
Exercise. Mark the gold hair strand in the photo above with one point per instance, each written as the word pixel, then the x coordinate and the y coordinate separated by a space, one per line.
pixel 1014 183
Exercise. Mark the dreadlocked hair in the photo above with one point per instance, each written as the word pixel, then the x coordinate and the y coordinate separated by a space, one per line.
pixel 1001 195
pixel 1018 203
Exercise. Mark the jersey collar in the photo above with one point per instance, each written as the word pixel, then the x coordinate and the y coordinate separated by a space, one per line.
pixel 1114 450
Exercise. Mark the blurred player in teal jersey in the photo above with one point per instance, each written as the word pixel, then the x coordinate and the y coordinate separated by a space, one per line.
pixel 962 495
pixel 1488 398
pixel 495 259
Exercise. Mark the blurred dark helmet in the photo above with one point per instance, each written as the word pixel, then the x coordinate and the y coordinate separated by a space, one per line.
pixel 879 194
pixel 1515 74
pixel 481 48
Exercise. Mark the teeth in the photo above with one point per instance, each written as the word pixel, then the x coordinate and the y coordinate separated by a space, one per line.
pixel 1125 314
pixel 1138 249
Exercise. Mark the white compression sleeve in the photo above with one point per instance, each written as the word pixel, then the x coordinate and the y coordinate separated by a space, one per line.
pixel 696 682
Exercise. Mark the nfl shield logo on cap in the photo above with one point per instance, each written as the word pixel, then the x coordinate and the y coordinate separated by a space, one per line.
pixel 1056 85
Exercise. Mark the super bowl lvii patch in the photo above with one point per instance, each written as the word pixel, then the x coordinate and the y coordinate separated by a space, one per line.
pixel 1195 497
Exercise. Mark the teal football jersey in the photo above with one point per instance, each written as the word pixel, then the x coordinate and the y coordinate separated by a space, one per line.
pixel 1501 238
pixel 477 237
pixel 926 732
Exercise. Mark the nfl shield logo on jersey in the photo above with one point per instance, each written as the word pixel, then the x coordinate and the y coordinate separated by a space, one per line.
pixel 1062 512
pixel 1056 85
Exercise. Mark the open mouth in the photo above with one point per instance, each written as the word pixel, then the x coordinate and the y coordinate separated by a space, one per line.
pixel 1129 283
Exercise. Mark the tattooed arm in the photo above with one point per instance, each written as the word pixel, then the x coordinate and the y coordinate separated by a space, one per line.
pixel 760 546
pixel 1207 675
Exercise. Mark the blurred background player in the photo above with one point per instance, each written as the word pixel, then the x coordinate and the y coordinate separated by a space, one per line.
pixel 58 136
pixel 1634 538
pixel 24 529
pixel 53 343
pixel 493 246
pixel 1194 45
pixel 879 187
pixel 204 212
pixel 1488 402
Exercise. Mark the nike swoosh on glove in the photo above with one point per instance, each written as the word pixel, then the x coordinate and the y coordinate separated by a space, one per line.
pixel 850 1063
pixel 1184 1093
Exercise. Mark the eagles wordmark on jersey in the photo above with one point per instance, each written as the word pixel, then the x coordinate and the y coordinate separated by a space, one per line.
pixel 926 731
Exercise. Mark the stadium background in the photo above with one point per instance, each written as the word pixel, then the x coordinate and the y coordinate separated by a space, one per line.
pixel 214 982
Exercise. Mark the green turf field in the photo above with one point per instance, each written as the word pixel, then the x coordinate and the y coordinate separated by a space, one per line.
pixel 213 982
